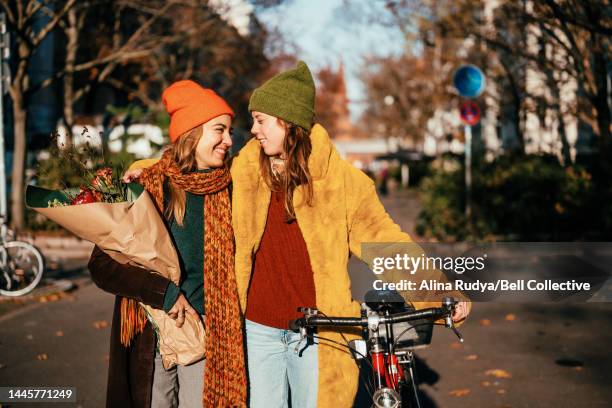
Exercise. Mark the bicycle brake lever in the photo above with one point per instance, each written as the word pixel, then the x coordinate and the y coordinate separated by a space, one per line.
pixel 448 322
pixel 303 336
pixel 296 350
pixel 459 336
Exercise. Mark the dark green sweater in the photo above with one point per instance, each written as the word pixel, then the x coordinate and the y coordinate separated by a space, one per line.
pixel 189 242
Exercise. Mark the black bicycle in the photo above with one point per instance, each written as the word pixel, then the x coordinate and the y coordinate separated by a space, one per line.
pixel 391 331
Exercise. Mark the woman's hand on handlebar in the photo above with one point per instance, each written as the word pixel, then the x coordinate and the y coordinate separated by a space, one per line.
pixel 461 311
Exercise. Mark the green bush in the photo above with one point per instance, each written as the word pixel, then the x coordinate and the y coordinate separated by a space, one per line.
pixel 520 198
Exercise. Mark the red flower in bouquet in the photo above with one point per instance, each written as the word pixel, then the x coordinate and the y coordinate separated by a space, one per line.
pixel 103 178
pixel 85 196
pixel 101 188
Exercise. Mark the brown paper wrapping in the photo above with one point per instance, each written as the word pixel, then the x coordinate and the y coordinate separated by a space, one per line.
pixel 134 233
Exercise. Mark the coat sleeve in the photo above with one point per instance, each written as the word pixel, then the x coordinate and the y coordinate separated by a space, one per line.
pixel 369 223
pixel 127 280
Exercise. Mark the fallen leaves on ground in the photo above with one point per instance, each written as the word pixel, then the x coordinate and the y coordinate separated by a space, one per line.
pixel 460 393
pixel 485 384
pixel 484 322
pixel 471 357
pixel 53 297
pixel 510 317
pixel 455 345
pixel 498 373
pixel 42 356
pixel 59 333
pixel 501 391
pixel 100 324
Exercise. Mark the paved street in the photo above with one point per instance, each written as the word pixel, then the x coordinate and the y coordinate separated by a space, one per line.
pixel 529 355
pixel 59 343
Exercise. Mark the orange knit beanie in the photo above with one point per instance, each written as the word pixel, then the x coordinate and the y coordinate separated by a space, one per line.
pixel 189 105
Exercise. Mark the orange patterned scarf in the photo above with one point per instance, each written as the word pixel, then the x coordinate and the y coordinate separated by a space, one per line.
pixel 225 383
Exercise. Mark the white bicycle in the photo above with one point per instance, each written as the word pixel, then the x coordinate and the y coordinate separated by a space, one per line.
pixel 21 265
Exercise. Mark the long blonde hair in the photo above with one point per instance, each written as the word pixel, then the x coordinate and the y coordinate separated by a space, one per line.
pixel 183 154
pixel 297 147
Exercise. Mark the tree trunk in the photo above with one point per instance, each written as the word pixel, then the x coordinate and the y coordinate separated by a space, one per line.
pixel 19 156
pixel 72 35
pixel 600 101
pixel 555 92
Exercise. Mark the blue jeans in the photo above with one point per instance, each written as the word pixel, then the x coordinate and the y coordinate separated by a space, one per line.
pixel 275 368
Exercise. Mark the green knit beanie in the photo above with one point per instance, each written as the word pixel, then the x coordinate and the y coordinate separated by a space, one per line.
pixel 289 95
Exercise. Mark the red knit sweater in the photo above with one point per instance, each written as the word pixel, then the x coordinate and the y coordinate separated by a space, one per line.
pixel 282 277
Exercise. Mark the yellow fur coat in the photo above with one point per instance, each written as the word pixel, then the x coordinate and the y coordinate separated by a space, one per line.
pixel 346 212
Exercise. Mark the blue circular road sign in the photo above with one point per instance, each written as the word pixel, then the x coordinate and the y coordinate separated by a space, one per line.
pixel 469 81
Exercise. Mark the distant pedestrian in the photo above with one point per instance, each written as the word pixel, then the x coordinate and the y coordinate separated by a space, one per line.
pixel 383 186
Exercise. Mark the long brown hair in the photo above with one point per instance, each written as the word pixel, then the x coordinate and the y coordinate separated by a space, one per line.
pixel 183 153
pixel 297 147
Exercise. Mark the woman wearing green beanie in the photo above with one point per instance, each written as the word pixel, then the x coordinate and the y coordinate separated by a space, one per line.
pixel 299 210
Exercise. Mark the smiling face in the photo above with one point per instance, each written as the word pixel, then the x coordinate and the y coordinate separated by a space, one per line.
pixel 270 133
pixel 215 142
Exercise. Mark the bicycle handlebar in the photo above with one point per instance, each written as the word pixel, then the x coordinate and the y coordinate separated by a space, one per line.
pixel 322 321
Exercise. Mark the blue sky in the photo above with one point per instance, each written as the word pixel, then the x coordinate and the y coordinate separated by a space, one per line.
pixel 327 31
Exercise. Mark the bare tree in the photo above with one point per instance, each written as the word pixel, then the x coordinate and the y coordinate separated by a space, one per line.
pixel 211 52
pixel 574 44
pixel 123 45
pixel 116 44
pixel 21 16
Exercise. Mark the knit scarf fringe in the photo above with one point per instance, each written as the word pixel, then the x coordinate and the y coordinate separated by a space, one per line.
pixel 225 382
pixel 133 320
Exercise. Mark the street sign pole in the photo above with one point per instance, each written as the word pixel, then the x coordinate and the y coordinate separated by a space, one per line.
pixel 470 116
pixel 468 171
pixel 470 82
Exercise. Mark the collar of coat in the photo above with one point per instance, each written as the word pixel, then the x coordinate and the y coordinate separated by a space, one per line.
pixel 323 152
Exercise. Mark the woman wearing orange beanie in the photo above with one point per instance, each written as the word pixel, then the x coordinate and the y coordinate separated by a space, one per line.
pixel 190 185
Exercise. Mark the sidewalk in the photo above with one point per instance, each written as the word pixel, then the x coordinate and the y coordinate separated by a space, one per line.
pixel 59 343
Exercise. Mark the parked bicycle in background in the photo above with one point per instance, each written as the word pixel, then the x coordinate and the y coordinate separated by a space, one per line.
pixel 21 264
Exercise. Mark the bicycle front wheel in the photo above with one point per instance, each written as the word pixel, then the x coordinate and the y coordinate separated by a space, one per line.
pixel 22 268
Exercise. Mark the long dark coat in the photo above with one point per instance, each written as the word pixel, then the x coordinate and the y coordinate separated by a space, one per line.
pixel 130 371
